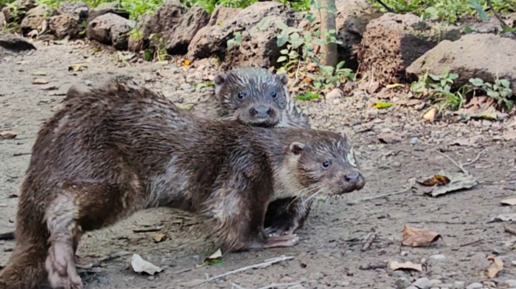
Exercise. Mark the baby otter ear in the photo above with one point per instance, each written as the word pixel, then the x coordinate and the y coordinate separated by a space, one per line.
pixel 220 79
pixel 283 78
pixel 297 148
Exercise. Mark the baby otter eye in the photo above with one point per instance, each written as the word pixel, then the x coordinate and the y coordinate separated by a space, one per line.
pixel 326 164
pixel 241 95
pixel 274 95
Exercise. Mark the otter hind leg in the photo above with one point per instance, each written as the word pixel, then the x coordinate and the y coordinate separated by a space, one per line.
pixel 285 216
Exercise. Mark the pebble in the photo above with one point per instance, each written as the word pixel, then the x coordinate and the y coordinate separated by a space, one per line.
pixel 414 141
pixel 402 283
pixel 296 287
pixel 422 283
pixel 509 283
pixel 411 287
pixel 513 263
pixel 335 93
pixel 438 257
pixel 185 86
pixel 475 285
pixel 459 284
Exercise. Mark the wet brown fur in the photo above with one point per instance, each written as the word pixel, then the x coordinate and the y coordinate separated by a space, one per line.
pixel 112 151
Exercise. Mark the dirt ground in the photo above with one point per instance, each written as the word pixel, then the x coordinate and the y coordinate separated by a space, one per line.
pixel 329 254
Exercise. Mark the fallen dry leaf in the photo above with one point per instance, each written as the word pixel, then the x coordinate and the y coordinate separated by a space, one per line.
pixel 139 265
pixel 51 87
pixel 307 79
pixel 458 181
pixel 77 67
pixel 214 259
pixel 395 265
pixel 430 115
pixel 185 62
pixel 160 237
pixel 510 202
pixel 438 180
pixel 495 267
pixel 415 237
pixel 8 134
pixel 473 141
pixel 39 81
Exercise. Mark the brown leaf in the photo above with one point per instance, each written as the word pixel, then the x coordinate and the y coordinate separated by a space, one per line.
pixel 495 267
pixel 39 81
pixel 8 134
pixel 160 237
pixel 415 237
pixel 438 180
pixel 77 67
pixel 395 265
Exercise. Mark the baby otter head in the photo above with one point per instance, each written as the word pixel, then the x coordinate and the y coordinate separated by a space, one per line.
pixel 325 164
pixel 254 96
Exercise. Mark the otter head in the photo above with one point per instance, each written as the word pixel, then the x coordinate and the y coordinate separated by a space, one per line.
pixel 253 96
pixel 325 165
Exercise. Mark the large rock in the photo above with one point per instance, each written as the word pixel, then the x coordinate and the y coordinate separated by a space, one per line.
pixel 222 15
pixel 351 21
pixel 257 48
pixel 110 29
pixel 15 43
pixel 35 18
pixel 164 19
pixel 485 56
pixel 17 10
pixel 392 42
pixel 180 36
pixel 77 9
pixel 107 8
pixel 65 25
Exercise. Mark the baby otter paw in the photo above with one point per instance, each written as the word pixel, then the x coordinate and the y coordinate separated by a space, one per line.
pixel 278 229
pixel 61 269
pixel 281 241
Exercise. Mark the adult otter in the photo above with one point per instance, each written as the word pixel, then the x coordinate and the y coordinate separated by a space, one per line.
pixel 112 151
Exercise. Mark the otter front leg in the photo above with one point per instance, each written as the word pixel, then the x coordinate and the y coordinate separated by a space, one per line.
pixel 285 216
pixel 239 212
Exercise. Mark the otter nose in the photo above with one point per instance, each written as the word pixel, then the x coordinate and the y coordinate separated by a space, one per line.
pixel 260 111
pixel 352 177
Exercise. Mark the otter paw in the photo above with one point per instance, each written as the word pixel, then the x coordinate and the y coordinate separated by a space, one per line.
pixel 279 229
pixel 61 269
pixel 86 262
pixel 281 241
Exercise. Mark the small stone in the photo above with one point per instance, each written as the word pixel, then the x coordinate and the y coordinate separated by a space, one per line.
pixel 336 101
pixel 402 283
pixel 475 285
pixel 422 283
pixel 411 287
pixel 509 283
pixel 459 284
pixel 185 86
pixel 513 263
pixel 8 134
pixel 335 93
pixel 296 287
pixel 438 257
pixel 414 141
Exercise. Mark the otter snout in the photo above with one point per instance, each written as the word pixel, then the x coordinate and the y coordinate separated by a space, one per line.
pixel 261 111
pixel 352 177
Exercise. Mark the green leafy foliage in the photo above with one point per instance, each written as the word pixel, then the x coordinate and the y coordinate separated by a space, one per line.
pixel 446 10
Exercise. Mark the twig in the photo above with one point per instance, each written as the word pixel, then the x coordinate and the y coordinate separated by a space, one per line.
pixel 147 230
pixel 20 154
pixel 504 25
pixel 373 266
pixel 510 230
pixel 474 160
pixel 182 271
pixel 455 163
pixel 368 241
pixel 471 243
pixel 267 263
pixel 382 195
pixel 275 285
pixel 385 6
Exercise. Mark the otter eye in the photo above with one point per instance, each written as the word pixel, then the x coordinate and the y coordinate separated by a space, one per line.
pixel 241 95
pixel 326 164
pixel 274 95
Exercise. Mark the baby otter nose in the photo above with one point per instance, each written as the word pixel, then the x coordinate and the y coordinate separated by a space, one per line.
pixel 352 177
pixel 260 111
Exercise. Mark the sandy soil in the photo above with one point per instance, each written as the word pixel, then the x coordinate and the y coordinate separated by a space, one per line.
pixel 329 254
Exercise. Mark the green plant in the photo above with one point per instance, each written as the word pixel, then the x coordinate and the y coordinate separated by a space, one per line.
pixel 158 51
pixel 439 89
pixel 500 91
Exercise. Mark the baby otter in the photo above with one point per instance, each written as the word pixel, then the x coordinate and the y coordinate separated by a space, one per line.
pixel 114 150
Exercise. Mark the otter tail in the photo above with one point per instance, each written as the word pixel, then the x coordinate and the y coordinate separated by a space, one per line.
pixel 26 267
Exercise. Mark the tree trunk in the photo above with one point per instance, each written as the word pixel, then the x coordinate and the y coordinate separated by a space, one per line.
pixel 327 14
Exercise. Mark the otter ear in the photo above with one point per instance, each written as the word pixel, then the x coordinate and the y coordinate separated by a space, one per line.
pixel 220 79
pixel 283 78
pixel 296 148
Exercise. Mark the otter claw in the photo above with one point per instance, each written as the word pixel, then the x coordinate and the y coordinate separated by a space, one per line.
pixel 282 241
